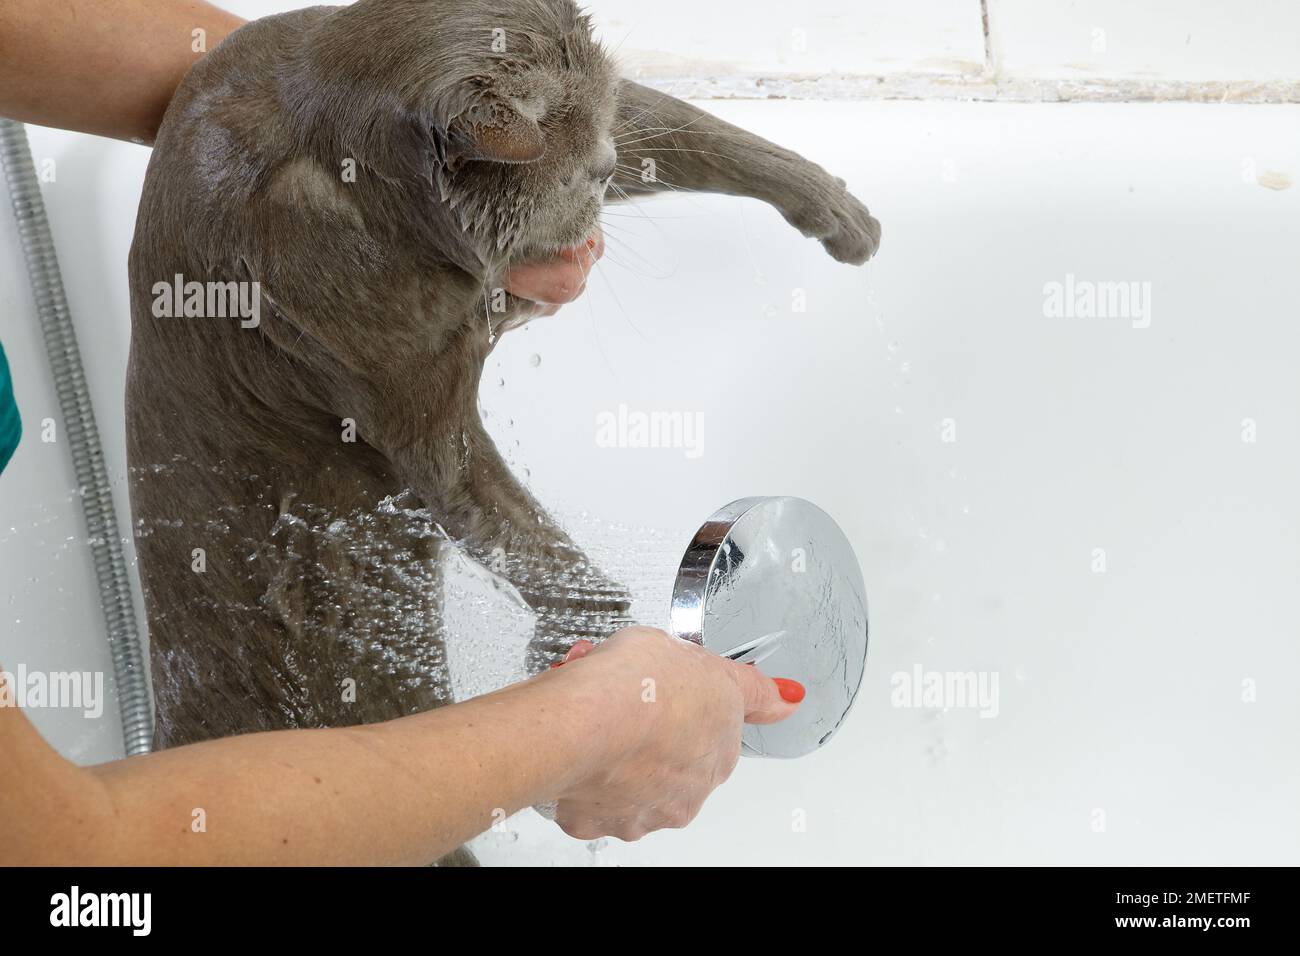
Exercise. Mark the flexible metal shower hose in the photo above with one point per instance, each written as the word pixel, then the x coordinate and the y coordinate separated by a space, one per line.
pixel 83 438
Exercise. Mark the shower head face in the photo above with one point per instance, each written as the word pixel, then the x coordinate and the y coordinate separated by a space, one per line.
pixel 774 581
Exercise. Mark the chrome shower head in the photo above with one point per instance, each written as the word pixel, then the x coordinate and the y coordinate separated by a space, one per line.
pixel 775 580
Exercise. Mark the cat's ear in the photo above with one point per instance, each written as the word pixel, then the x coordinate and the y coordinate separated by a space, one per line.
pixel 494 130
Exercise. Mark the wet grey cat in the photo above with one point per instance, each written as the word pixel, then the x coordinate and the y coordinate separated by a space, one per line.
pixel 374 169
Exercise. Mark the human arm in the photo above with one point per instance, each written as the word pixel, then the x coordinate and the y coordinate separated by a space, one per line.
pixel 107 67
pixel 406 791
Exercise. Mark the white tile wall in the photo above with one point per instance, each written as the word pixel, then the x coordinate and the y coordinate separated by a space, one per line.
pixel 1186 40
pixel 776 37
pixel 1154 40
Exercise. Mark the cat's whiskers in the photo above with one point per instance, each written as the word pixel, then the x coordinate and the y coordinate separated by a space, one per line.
pixel 654 132
pixel 633 119
pixel 636 206
pixel 636 173
pixel 612 234
pixel 622 308
pixel 667 132
pixel 625 215
pixel 681 149
pixel 487 310
pixel 664 131
pixel 596 267
pixel 645 273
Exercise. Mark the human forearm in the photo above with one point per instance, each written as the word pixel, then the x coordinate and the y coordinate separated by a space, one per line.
pixel 406 791
pixel 107 67
pixel 627 738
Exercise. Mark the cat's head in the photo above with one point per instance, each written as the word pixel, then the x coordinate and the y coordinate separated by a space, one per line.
pixel 497 114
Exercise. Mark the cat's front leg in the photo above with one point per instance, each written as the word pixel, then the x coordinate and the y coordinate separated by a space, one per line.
pixel 421 415
pixel 502 527
pixel 666 144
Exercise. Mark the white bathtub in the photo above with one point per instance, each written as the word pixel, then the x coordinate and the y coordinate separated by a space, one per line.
pixel 1099 511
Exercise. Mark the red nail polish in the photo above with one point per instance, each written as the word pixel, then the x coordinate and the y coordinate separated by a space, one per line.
pixel 791 690
pixel 557 664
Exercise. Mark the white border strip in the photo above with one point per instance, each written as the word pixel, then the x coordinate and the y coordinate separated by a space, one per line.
pixel 922 86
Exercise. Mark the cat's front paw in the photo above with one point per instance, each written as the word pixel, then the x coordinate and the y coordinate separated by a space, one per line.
pixel 557 629
pixel 581 604
pixel 827 211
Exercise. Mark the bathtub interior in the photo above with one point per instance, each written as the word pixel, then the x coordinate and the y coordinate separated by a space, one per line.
pixel 1096 512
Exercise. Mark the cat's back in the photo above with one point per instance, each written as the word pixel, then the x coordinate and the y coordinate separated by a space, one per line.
pixel 223 134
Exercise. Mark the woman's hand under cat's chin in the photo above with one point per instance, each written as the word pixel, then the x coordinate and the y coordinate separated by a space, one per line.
pixel 556 281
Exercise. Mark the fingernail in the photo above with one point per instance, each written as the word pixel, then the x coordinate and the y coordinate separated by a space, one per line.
pixel 791 690
pixel 557 664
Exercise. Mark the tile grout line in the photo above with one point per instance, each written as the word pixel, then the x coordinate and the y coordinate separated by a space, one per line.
pixel 973 87
pixel 990 69
pixel 988 86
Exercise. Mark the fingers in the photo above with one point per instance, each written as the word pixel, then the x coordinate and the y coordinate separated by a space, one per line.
pixel 586 252
pixel 557 280
pixel 551 283
pixel 579 650
pixel 663 777
pixel 589 821
pixel 592 822
pixel 767 700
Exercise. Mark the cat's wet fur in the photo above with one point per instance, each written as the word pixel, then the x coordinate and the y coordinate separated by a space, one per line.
pixel 376 169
